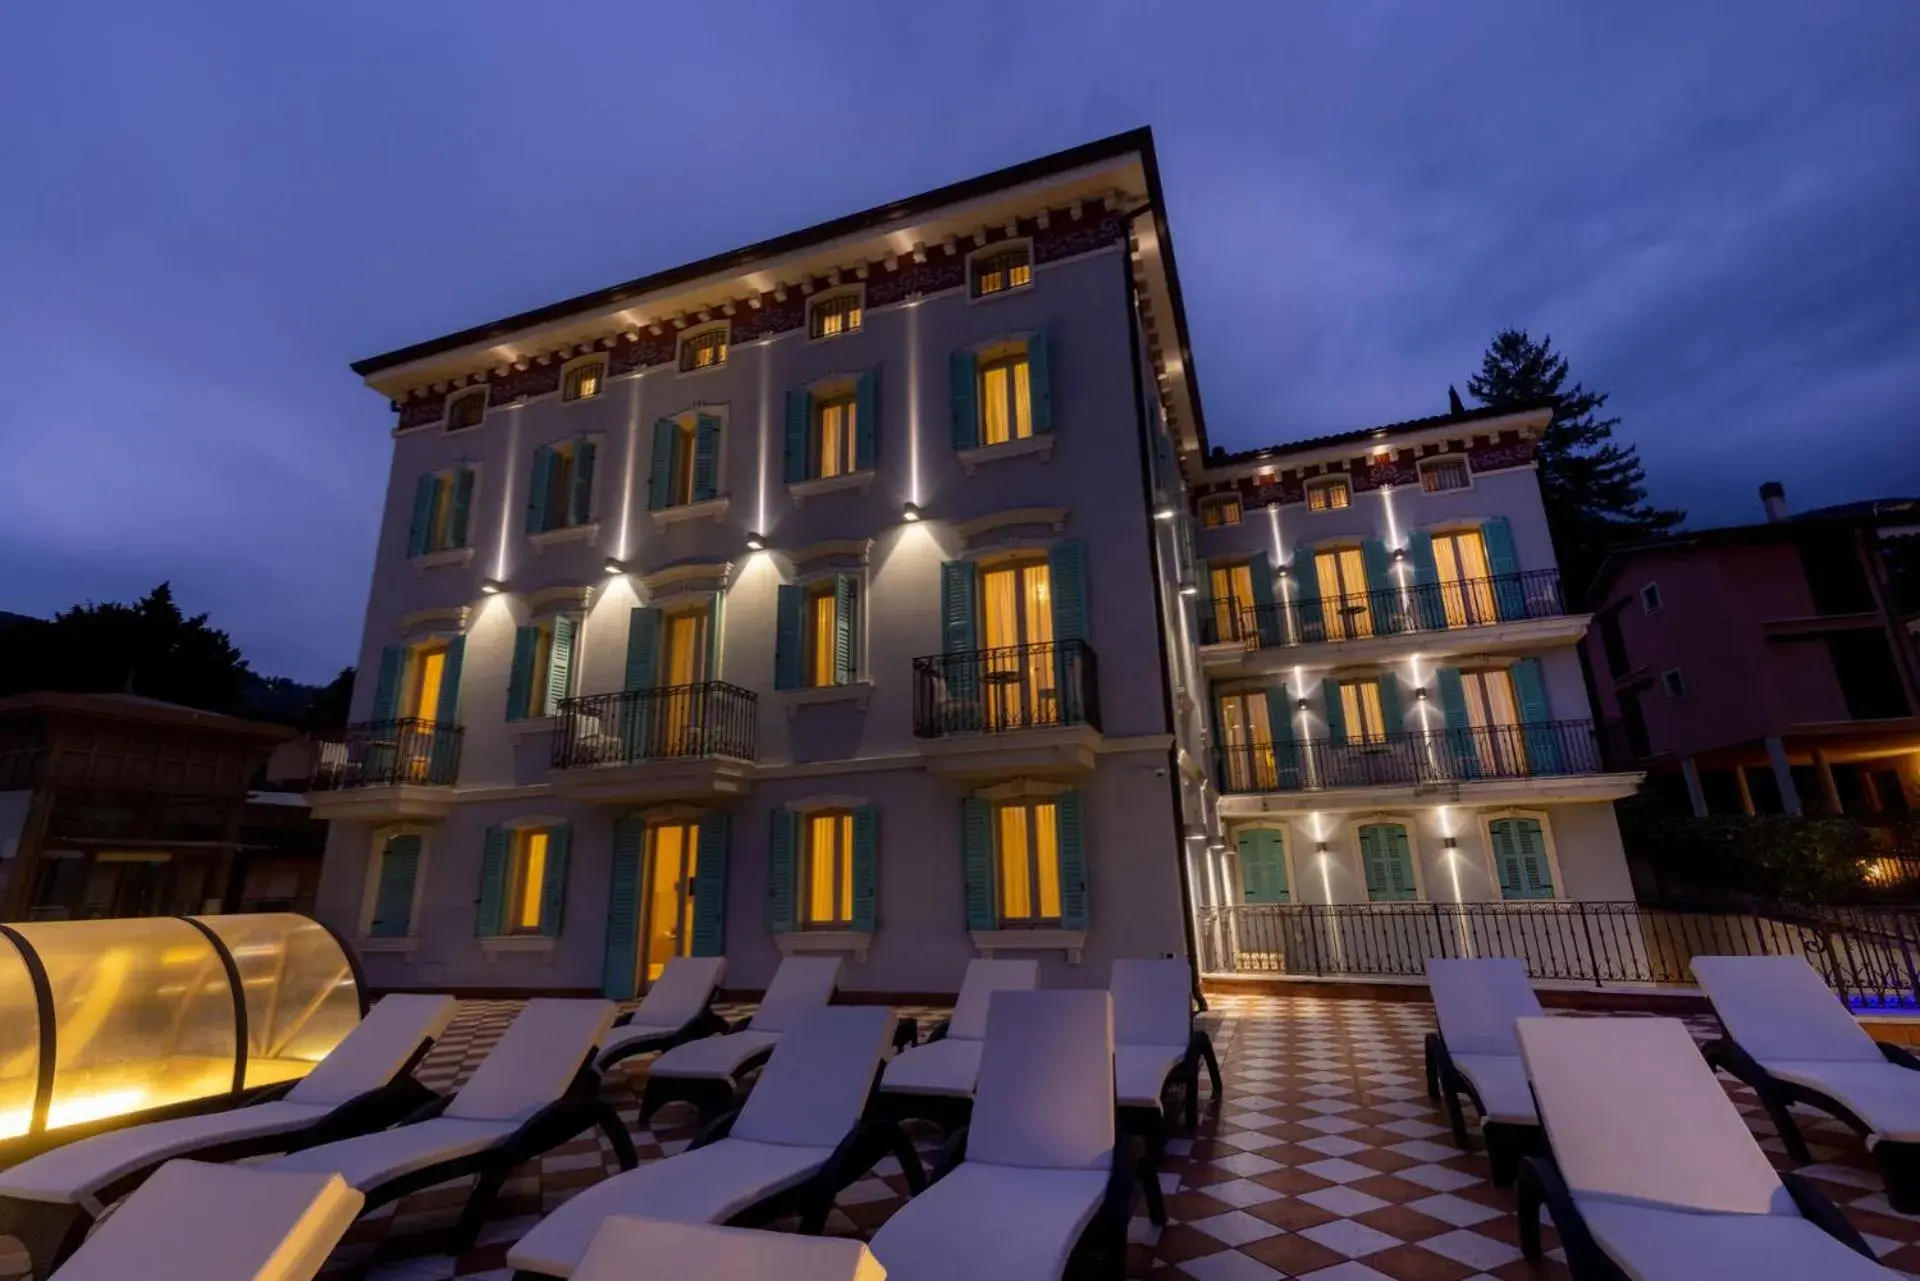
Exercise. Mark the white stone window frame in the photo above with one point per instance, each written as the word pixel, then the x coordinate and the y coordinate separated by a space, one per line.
pixel 1484 821
pixel 1005 245
pixel 804 940
pixel 1414 853
pixel 405 944
pixel 484 392
pixel 460 556
pixel 1437 461
pixel 1285 831
pixel 694 333
pixel 601 358
pixel 1329 481
pixel 990 943
pixel 588 530
pixel 538 945
pixel 1222 500
pixel 838 293
pixel 715 508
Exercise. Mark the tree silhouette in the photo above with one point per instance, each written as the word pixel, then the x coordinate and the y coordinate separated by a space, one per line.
pixel 147 648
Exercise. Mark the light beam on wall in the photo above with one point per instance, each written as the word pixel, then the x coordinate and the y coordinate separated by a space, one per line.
pixel 766 427
pixel 913 401
pixel 506 498
pixel 623 550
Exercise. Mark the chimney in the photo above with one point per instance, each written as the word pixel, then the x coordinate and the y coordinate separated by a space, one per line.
pixel 1773 496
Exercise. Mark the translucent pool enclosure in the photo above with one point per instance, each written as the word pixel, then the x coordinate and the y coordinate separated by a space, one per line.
pixel 104 1018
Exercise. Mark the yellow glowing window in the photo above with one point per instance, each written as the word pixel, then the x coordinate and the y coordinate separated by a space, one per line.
pixel 1029 862
pixel 430 666
pixel 583 381
pixel 1232 589
pixel 1329 495
pixel 1447 474
pixel 998 272
pixel 824 630
pixel 1006 401
pixel 835 440
pixel 1460 565
pixel 466 411
pixel 829 896
pixel 835 316
pixel 1247 741
pixel 672 861
pixel 704 351
pixel 681 490
pixel 1345 607
pixel 527 881
pixel 1221 509
pixel 1360 708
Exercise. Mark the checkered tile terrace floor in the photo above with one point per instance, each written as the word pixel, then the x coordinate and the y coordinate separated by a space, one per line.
pixel 1323 1160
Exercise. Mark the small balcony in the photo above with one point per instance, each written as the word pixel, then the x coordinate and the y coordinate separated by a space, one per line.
pixel 1421 761
pixel 1400 611
pixel 394 769
pixel 680 742
pixel 1032 708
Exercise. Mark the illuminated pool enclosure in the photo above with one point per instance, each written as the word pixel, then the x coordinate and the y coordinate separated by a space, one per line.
pixel 105 1018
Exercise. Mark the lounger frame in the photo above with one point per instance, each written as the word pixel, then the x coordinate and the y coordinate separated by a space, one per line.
pixel 705 1023
pixel 1507 1141
pixel 711 1096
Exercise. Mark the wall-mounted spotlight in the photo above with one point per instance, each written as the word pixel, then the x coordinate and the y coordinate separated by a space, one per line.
pixel 1320 848
pixel 755 543
pixel 1450 843
pixel 491 587
pixel 1399 554
pixel 1285 571
pixel 910 512
pixel 1299 704
pixel 615 565
pixel 1164 511
pixel 1421 694
pixel 1189 589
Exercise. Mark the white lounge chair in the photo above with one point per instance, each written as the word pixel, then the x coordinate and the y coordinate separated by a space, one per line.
pixel 677 1008
pixel 1038 1181
pixel 535 1090
pixel 629 1249
pixel 1654 1175
pixel 933 1081
pixel 1794 1041
pixel 798 1141
pixel 707 1072
pixel 1476 1053
pixel 48 1202
pixel 1157 1054
pixel 193 1221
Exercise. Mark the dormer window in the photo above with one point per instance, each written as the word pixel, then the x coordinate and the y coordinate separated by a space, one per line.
pixel 1329 494
pixel 467 410
pixel 835 315
pixel 1220 509
pixel 704 350
pixel 1443 474
pixel 584 380
pixel 1001 269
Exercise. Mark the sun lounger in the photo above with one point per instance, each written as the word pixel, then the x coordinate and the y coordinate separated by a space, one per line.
pixel 1475 1053
pixel 934 1081
pixel 677 1008
pixel 1793 1041
pixel 48 1202
pixel 1157 1055
pixel 798 1141
pixel 1037 1183
pixel 707 1072
pixel 630 1249
pixel 535 1090
pixel 1654 1175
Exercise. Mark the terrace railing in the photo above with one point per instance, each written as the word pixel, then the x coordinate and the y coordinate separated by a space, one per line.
pixel 1391 611
pixel 1538 749
pixel 1014 687
pixel 711 718
pixel 387 754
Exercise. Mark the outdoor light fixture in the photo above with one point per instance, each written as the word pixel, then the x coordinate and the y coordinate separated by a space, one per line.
pixel 1189 589
pixel 1285 571
pixel 1299 704
pixel 1399 554
pixel 1421 693
pixel 615 565
pixel 755 543
pixel 491 587
pixel 910 512
pixel 1164 512
pixel 1450 842
pixel 1320 848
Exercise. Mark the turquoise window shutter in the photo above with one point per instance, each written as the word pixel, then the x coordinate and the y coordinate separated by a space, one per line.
pixel 976 853
pixel 1453 711
pixel 799 452
pixel 1266 620
pixel 560 662
pixel 1387 862
pixel 1067 587
pixel 710 888
pixel 956 607
pixel 1280 714
pixel 666 436
pixel 1263 866
pixel 846 595
pixel 1306 602
pixel 1430 607
pixel 1536 870
pixel 623 910
pixel 393 896
pixel 790 603
pixel 1503 563
pixel 964 391
pixel 1203 596
pixel 1040 381
pixel 643 649
pixel 580 505
pixel 1070 824
pixel 1530 692
pixel 706 458
pixel 538 483
pixel 420 532
pixel 553 881
pixel 866 868
pixel 1392 711
pixel 716 633
pixel 866 420
pixel 386 692
pixel 1382 601
pixel 783 861
pixel 520 674
pixel 489 909
pixel 444 758
pixel 1336 713
pixel 462 507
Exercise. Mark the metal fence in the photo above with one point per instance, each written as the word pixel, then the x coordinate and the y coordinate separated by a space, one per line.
pixel 711 718
pixel 1867 954
pixel 388 754
pixel 1391 611
pixel 1433 756
pixel 1014 687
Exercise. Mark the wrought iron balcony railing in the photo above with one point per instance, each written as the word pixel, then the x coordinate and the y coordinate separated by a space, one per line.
pixel 1435 756
pixel 1428 607
pixel 712 718
pixel 1016 687
pixel 389 753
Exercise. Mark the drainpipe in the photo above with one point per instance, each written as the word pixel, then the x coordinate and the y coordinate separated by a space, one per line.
pixel 1144 438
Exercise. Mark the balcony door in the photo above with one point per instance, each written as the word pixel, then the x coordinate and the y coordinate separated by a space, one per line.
pixel 1493 718
pixel 1465 581
pixel 1345 606
pixel 667 901
pixel 1018 670
pixel 1246 740
pixel 1232 588
pixel 685 649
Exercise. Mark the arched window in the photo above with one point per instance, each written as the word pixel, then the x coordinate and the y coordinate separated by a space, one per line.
pixel 467 410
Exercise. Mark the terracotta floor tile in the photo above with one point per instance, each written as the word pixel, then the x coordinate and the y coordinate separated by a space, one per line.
pixel 1292 1255
pixel 1291 1214
pixel 1411 1263
pixel 1399 1221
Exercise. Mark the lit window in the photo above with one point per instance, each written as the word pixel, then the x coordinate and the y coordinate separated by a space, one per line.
pixel 1027 841
pixel 1006 401
pixel 1360 709
pixel 527 879
pixel 562 486
pixel 1220 509
pixel 1232 589
pixel 828 633
pixel 1650 601
pixel 838 315
pixel 467 410
pixel 441 503
pixel 834 439
pixel 543 667
pixel 1674 684
pixel 680 488
pixel 1346 606
pixel 583 382
pixel 1002 270
pixel 706 350
pixel 1448 473
pixel 1329 495
pixel 828 893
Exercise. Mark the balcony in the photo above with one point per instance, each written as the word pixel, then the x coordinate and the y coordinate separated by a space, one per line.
pixel 1018 708
pixel 387 770
pixel 681 742
pixel 1371 620
pixel 1539 758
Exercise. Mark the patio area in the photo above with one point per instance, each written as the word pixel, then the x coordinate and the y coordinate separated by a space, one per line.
pixel 1325 1160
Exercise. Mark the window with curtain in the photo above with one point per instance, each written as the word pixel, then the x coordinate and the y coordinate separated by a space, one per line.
pixel 1016 613
pixel 526 879
pixel 834 424
pixel 1006 400
pixel 583 381
pixel 1329 495
pixel 828 860
pixel 1493 713
pixel 839 314
pixel 680 487
pixel 427 671
pixel 543 666
pixel 1027 858
pixel 1345 607
pixel 704 350
pixel 1246 740
pixel 1360 709
pixel 560 490
pixel 1447 473
pixel 441 503
pixel 1466 589
pixel 466 410
pixel 1231 586
pixel 1001 270
pixel 1220 509
pixel 823 625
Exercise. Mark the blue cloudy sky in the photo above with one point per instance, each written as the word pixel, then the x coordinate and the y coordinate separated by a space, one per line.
pixel 205 215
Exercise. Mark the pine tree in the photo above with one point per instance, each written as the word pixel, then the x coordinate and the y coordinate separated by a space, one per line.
pixel 1595 489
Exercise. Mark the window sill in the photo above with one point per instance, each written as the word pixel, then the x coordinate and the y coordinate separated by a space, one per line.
pixel 451 556
pixel 565 534
pixel 404 946
pixel 854 941
pixel 1040 443
pixel 858 693
pixel 801 490
pixel 532 725
pixel 707 509
pixel 506 944
pixel 988 942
